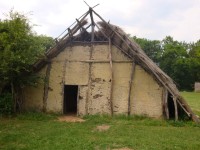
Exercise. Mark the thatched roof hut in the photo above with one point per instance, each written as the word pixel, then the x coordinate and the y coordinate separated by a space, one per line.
pixel 101 92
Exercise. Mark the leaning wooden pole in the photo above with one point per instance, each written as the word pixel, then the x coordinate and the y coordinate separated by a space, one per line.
pixel 130 87
pixel 175 108
pixel 111 84
pixel 165 103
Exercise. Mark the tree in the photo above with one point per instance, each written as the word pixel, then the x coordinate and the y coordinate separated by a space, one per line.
pixel 180 61
pixel 20 47
pixel 152 48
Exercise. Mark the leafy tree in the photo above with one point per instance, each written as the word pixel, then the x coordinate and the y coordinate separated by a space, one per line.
pixel 194 54
pixel 180 60
pixel 151 47
pixel 20 47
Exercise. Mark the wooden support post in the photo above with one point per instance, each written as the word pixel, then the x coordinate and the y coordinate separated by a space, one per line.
pixel 92 34
pixel 46 86
pixel 89 81
pixel 63 81
pixel 130 87
pixel 111 84
pixel 175 108
pixel 165 103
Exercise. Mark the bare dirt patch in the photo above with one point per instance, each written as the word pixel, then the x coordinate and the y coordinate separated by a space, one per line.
pixel 102 128
pixel 124 148
pixel 70 118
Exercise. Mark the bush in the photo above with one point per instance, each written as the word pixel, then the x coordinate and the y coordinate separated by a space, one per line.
pixel 6 104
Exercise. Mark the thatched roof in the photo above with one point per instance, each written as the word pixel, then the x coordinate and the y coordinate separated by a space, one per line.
pixel 105 32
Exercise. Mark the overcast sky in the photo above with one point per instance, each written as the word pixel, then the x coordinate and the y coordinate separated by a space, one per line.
pixel 152 19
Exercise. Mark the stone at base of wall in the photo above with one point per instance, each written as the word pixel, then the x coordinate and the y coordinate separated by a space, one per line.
pixel 197 87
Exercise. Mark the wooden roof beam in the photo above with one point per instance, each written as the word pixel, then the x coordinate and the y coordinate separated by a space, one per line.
pixel 93 24
pixel 80 25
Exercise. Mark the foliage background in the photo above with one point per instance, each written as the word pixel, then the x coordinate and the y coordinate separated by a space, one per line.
pixel 180 60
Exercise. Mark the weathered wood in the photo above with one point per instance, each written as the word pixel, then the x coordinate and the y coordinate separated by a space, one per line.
pixel 93 25
pixel 77 98
pixel 130 87
pixel 58 47
pixel 165 103
pixel 72 25
pixel 63 81
pixel 96 61
pixel 92 34
pixel 182 106
pixel 140 58
pixel 146 63
pixel 111 83
pixel 175 108
pixel 101 31
pixel 80 25
pixel 89 81
pixel 46 86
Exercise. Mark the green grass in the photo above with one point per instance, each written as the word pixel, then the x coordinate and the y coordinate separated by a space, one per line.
pixel 193 100
pixel 39 131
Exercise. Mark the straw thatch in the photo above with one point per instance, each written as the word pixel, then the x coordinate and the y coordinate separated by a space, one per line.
pixel 119 38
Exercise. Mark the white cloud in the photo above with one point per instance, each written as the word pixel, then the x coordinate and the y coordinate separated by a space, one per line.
pixel 153 19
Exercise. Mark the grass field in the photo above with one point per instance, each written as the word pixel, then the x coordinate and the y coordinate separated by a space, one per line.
pixel 39 131
pixel 193 100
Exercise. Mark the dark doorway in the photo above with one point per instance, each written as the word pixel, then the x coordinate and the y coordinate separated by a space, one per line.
pixel 171 107
pixel 70 99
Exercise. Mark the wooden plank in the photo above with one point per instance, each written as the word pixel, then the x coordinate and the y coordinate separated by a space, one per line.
pixel 111 70
pixel 130 87
pixel 46 86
